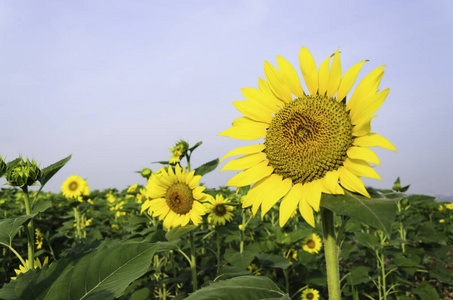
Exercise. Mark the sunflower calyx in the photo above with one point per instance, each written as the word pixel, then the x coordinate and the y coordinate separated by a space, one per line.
pixel 178 151
pixel 23 173
pixel 2 167
pixel 146 173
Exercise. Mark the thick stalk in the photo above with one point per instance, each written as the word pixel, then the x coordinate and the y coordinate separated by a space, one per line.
pixel 77 219
pixel 29 230
pixel 193 265
pixel 330 250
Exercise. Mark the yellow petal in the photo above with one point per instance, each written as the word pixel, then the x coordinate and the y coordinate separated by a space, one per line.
pixel 368 107
pixel 250 198
pixel 367 87
pixel 258 96
pixel 264 87
pixel 194 182
pixel 307 212
pixel 360 168
pixel 244 150
pixel 290 76
pixel 348 80
pixel 289 203
pixel 363 154
pixel 335 75
pixel 362 128
pixel 189 177
pixel 251 175
pixel 253 111
pixel 244 132
pixel 351 182
pixel 178 173
pixel 245 121
pixel 244 162
pixel 168 221
pixel 324 74
pixel 275 191
pixel 311 193
pixel 330 183
pixel 309 70
pixel 373 140
pixel 197 192
pixel 277 83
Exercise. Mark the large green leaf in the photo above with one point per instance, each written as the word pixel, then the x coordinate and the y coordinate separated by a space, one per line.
pixel 178 232
pixel 378 211
pixel 49 171
pixel 101 274
pixel 273 261
pixel 10 227
pixel 207 167
pixel 238 259
pixel 240 288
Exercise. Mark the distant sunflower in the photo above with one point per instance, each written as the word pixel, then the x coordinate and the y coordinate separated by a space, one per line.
pixel 219 211
pixel 313 142
pixel 175 197
pixel 37 265
pixel 310 294
pixel 312 244
pixel 39 238
pixel 74 187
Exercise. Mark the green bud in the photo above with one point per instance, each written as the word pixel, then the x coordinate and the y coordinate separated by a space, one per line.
pixel 23 173
pixel 180 148
pixel 146 173
pixel 2 167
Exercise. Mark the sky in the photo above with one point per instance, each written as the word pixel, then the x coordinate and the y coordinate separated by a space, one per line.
pixel 117 83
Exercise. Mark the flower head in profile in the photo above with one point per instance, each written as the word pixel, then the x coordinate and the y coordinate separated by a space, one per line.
pixel 310 294
pixel 132 188
pixel 219 210
pixel 314 141
pixel 39 238
pixel 312 243
pixel 37 264
pixel 175 197
pixel 74 187
pixel 178 151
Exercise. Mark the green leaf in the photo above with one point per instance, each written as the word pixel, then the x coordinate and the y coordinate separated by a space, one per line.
pixel 41 206
pixel 240 288
pixel 101 274
pixel 178 232
pixel 273 261
pixel 378 211
pixel 50 171
pixel 207 167
pixel 195 146
pixel 368 240
pixel 426 291
pixel 10 227
pixel 359 275
pixel 238 259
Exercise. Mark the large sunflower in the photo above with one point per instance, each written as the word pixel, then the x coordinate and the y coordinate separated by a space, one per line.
pixel 314 142
pixel 74 187
pixel 174 196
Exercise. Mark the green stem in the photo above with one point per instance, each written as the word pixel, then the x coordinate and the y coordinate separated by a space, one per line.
pixel 330 250
pixel 18 256
pixel 77 219
pixel 218 250
pixel 29 230
pixel 193 265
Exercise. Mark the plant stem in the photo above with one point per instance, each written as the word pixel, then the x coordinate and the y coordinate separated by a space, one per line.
pixel 77 219
pixel 218 251
pixel 29 230
pixel 193 265
pixel 330 250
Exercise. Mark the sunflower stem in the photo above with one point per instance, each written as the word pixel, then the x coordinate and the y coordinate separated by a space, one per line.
pixel 330 250
pixel 193 265
pixel 77 219
pixel 29 230
pixel 218 250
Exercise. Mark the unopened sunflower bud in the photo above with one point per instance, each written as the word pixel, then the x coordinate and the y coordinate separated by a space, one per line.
pixel 23 173
pixel 146 173
pixel 2 167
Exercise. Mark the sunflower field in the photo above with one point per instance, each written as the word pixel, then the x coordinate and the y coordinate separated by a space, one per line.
pixel 296 222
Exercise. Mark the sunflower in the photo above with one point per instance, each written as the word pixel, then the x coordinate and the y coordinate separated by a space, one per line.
pixel 219 210
pixel 314 142
pixel 175 197
pixel 310 294
pixel 74 187
pixel 39 238
pixel 37 265
pixel 312 243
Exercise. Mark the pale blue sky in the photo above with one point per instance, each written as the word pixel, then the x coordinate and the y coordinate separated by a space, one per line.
pixel 116 83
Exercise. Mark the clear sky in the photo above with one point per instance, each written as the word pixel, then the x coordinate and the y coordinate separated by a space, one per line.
pixel 116 83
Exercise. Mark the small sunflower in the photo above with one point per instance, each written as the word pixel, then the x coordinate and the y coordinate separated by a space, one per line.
pixel 310 294
pixel 37 265
pixel 175 197
pixel 449 206
pixel 39 238
pixel 74 187
pixel 314 142
pixel 312 244
pixel 132 188
pixel 219 210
